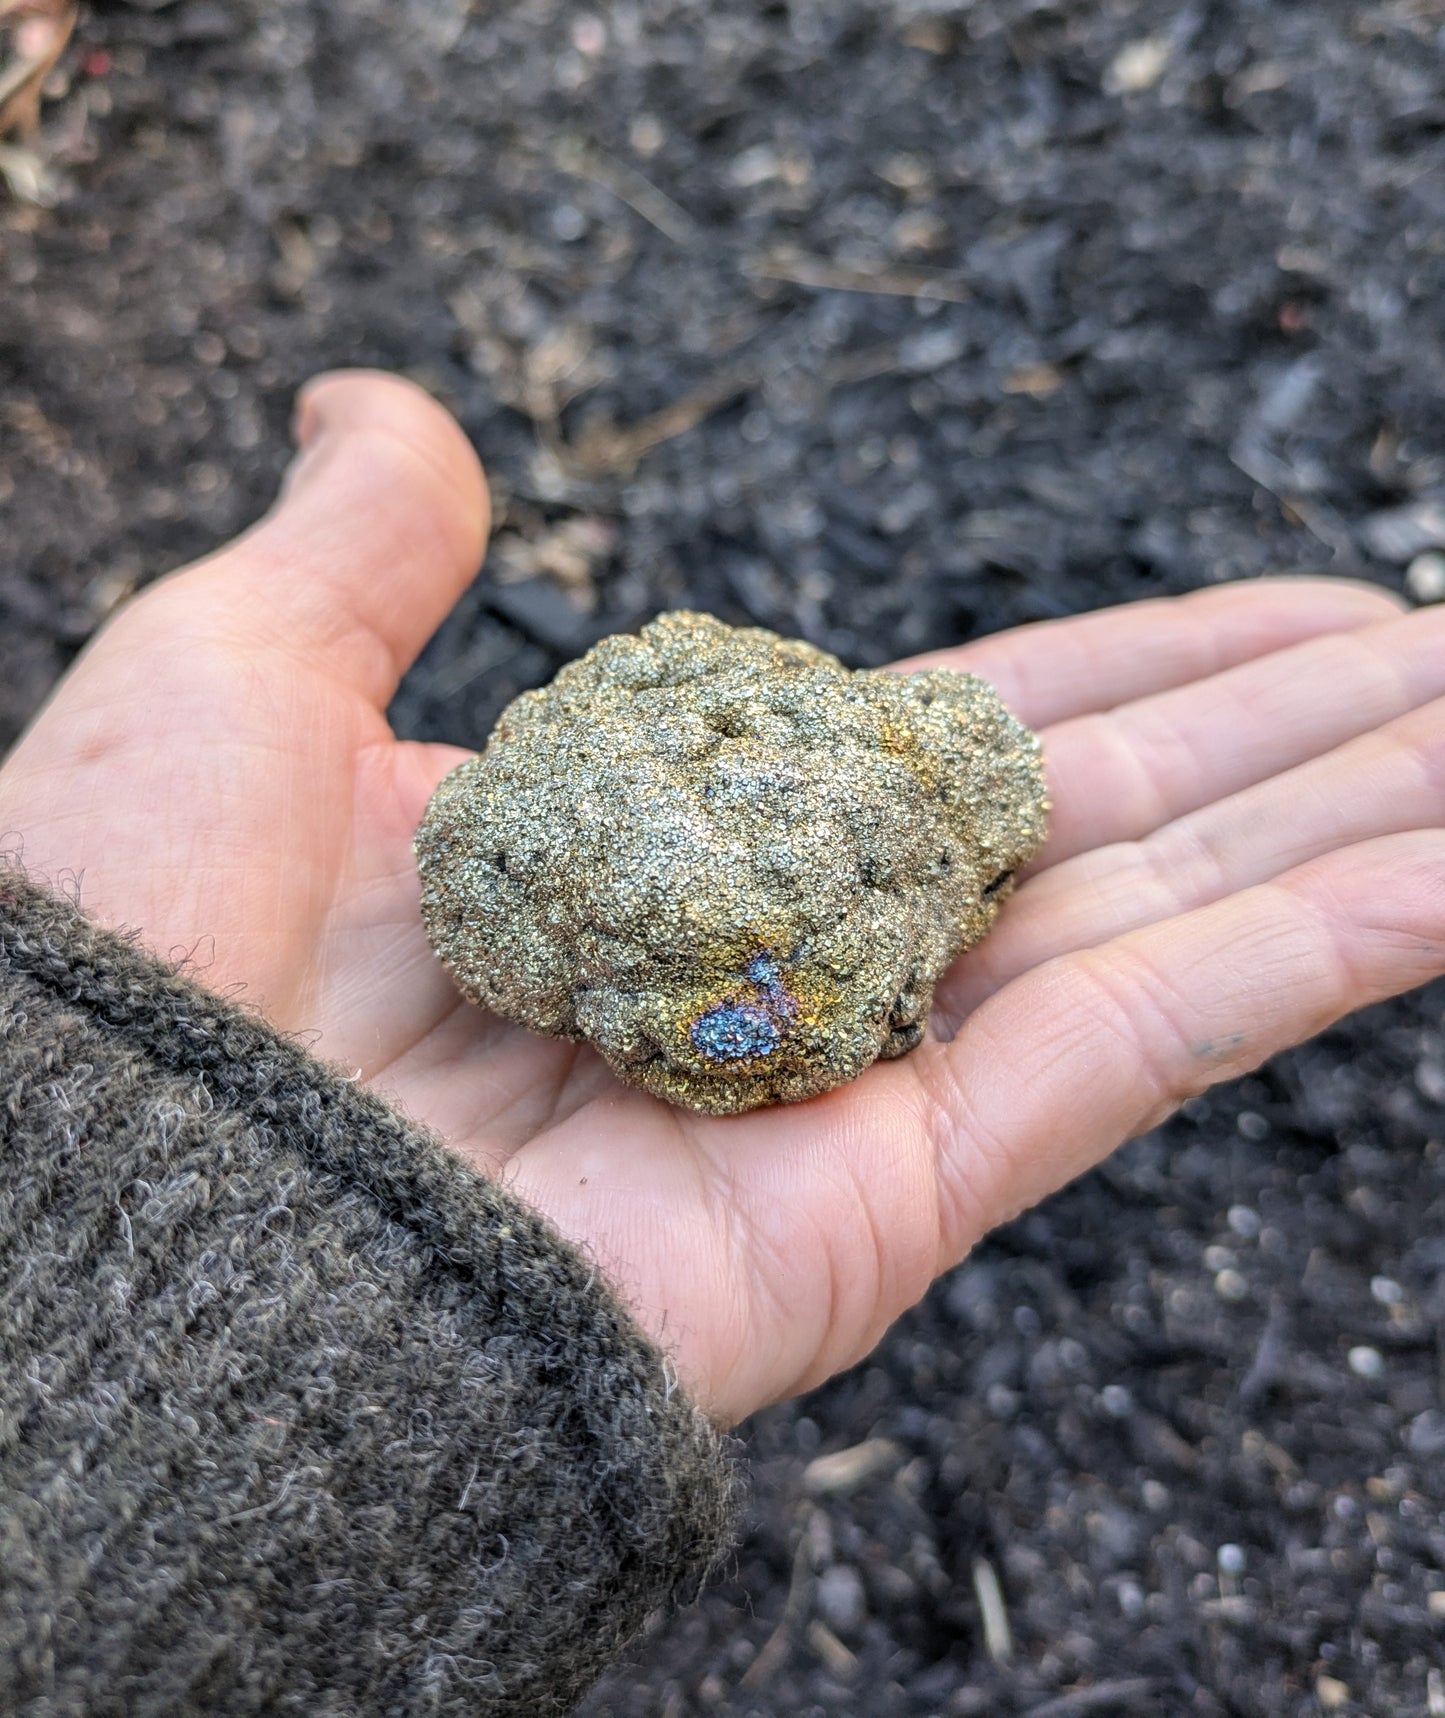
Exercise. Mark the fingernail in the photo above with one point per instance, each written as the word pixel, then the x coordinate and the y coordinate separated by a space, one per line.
pixel 309 420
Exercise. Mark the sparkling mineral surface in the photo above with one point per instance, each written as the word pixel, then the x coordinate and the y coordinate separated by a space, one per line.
pixel 733 865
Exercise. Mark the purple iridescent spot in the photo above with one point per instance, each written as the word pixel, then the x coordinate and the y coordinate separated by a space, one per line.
pixel 736 1032
pixel 747 1031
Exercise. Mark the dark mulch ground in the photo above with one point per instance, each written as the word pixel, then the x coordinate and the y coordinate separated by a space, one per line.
pixel 885 322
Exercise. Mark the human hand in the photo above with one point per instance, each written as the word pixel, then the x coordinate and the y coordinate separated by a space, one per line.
pixel 1247 783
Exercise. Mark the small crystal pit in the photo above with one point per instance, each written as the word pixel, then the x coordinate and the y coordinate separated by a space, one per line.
pixel 734 866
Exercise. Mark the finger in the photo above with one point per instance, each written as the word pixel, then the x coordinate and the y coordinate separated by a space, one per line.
pixel 421 765
pixel 1118 775
pixel 380 526
pixel 1056 669
pixel 1384 783
pixel 1096 1047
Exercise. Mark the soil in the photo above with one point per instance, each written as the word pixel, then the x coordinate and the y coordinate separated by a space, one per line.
pixel 884 322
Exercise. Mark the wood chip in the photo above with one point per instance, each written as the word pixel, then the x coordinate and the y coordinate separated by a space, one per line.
pixel 1036 380
pixel 846 1470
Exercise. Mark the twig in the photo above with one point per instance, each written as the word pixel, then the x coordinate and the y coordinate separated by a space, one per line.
pixel 1269 1356
pixel 612 449
pixel 1081 1700
pixel 825 275
pixel 998 1640
pixel 585 160
pixel 775 1648
pixel 840 1659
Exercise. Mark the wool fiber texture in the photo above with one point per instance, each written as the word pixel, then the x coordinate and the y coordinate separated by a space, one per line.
pixel 297 1413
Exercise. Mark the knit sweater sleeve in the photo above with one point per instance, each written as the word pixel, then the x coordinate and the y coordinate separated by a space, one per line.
pixel 297 1413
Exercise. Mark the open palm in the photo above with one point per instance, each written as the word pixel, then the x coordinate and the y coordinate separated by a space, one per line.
pixel 1248 786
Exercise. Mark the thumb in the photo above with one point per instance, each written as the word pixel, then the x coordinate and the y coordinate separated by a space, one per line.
pixel 380 525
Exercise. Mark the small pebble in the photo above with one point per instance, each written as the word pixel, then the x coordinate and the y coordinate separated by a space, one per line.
pixel 754 166
pixel 1430 1078
pixel 1366 1362
pixel 1252 1125
pixel 840 1598
pixel 1387 1291
pixel 1425 577
pixel 568 222
pixel 1230 1559
pixel 646 135
pixel 1118 1403
pixel 589 36
pixel 1230 1285
pixel 1244 1221
pixel 1331 1693
pixel 1426 1435
pixel 1137 66
pixel 1073 1354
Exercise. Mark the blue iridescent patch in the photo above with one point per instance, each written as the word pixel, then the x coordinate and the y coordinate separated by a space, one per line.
pixel 762 970
pixel 736 1032
pixel 748 1031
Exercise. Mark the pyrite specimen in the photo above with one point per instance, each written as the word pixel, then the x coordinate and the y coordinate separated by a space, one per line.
pixel 733 865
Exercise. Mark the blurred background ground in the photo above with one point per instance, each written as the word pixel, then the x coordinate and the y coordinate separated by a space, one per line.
pixel 883 322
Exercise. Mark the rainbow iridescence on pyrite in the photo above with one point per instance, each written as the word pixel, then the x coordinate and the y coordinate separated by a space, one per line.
pixel 734 866
pixel 747 1031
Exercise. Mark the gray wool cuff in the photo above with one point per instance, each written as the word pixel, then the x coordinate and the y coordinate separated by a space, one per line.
pixel 297 1413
